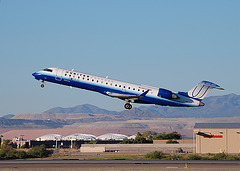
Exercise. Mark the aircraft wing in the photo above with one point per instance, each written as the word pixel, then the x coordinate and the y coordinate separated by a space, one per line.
pixel 126 96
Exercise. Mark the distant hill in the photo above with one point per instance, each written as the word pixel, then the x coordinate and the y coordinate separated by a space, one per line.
pixel 86 108
pixel 23 123
pixel 8 116
pixel 215 106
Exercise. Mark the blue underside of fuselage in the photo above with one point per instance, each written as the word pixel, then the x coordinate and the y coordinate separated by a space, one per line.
pixel 103 89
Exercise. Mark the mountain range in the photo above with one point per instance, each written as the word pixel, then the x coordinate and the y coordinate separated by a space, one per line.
pixel 215 106
pixel 91 119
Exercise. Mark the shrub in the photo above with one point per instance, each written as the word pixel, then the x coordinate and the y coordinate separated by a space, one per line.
pixel 20 154
pixel 126 141
pixel 10 154
pixel 155 155
pixel 220 156
pixel 38 152
pixel 194 157
pixel 92 142
pixel 232 157
pixel 172 142
pixel 140 140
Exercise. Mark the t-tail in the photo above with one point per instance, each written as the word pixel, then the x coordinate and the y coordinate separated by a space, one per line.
pixel 201 90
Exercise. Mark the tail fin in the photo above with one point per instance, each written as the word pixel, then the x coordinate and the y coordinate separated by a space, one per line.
pixel 201 90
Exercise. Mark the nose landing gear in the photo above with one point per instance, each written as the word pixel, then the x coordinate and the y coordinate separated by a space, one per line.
pixel 128 106
pixel 42 85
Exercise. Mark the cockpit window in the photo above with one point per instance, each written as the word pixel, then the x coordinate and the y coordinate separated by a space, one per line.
pixel 48 70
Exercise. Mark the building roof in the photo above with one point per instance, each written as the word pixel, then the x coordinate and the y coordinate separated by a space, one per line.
pixel 217 125
pixel 78 136
pixel 49 137
pixel 111 136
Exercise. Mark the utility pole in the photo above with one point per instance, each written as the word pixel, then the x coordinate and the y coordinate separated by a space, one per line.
pixel 56 142
pixel 1 143
pixel 21 139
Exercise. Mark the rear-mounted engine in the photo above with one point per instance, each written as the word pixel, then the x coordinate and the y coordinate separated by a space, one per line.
pixel 167 94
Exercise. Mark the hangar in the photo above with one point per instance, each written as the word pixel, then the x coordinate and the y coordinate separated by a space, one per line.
pixel 217 137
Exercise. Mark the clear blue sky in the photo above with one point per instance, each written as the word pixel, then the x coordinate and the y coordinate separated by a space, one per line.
pixel 168 44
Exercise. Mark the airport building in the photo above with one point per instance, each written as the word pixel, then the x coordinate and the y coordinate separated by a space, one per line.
pixel 217 137
pixel 76 140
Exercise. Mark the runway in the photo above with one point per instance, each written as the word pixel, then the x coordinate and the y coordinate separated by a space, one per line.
pixel 118 165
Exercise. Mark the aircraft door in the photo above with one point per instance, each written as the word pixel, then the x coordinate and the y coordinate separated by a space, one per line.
pixel 59 73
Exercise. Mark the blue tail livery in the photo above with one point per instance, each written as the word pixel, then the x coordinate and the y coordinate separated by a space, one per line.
pixel 129 92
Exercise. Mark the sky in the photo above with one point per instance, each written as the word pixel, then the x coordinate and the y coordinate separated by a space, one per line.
pixel 166 44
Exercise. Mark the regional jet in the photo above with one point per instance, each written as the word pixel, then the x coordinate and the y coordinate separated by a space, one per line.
pixel 129 92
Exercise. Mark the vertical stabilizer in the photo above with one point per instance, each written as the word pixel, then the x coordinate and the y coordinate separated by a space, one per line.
pixel 202 89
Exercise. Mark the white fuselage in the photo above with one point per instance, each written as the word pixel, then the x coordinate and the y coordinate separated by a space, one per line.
pixel 123 90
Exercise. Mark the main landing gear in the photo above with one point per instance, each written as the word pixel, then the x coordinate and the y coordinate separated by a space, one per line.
pixel 42 85
pixel 128 106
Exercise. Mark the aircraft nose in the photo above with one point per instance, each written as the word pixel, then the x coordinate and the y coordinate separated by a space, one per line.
pixel 201 104
pixel 34 74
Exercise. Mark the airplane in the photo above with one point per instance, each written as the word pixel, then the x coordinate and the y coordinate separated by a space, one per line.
pixel 129 92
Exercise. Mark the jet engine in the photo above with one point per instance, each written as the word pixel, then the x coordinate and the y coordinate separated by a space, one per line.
pixel 167 94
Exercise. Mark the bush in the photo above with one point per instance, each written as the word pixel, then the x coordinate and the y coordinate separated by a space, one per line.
pixel 140 140
pixel 155 155
pixel 194 157
pixel 172 142
pixel 169 136
pixel 92 142
pixel 220 156
pixel 126 141
pixel 176 157
pixel 38 152
pixel 20 154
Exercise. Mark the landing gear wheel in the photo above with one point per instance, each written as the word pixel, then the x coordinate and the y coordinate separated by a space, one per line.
pixel 128 106
pixel 42 85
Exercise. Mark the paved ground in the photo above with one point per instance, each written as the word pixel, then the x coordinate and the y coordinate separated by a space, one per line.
pixel 100 165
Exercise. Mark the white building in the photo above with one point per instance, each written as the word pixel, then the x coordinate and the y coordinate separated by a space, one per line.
pixel 49 137
pixel 78 136
pixel 111 136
